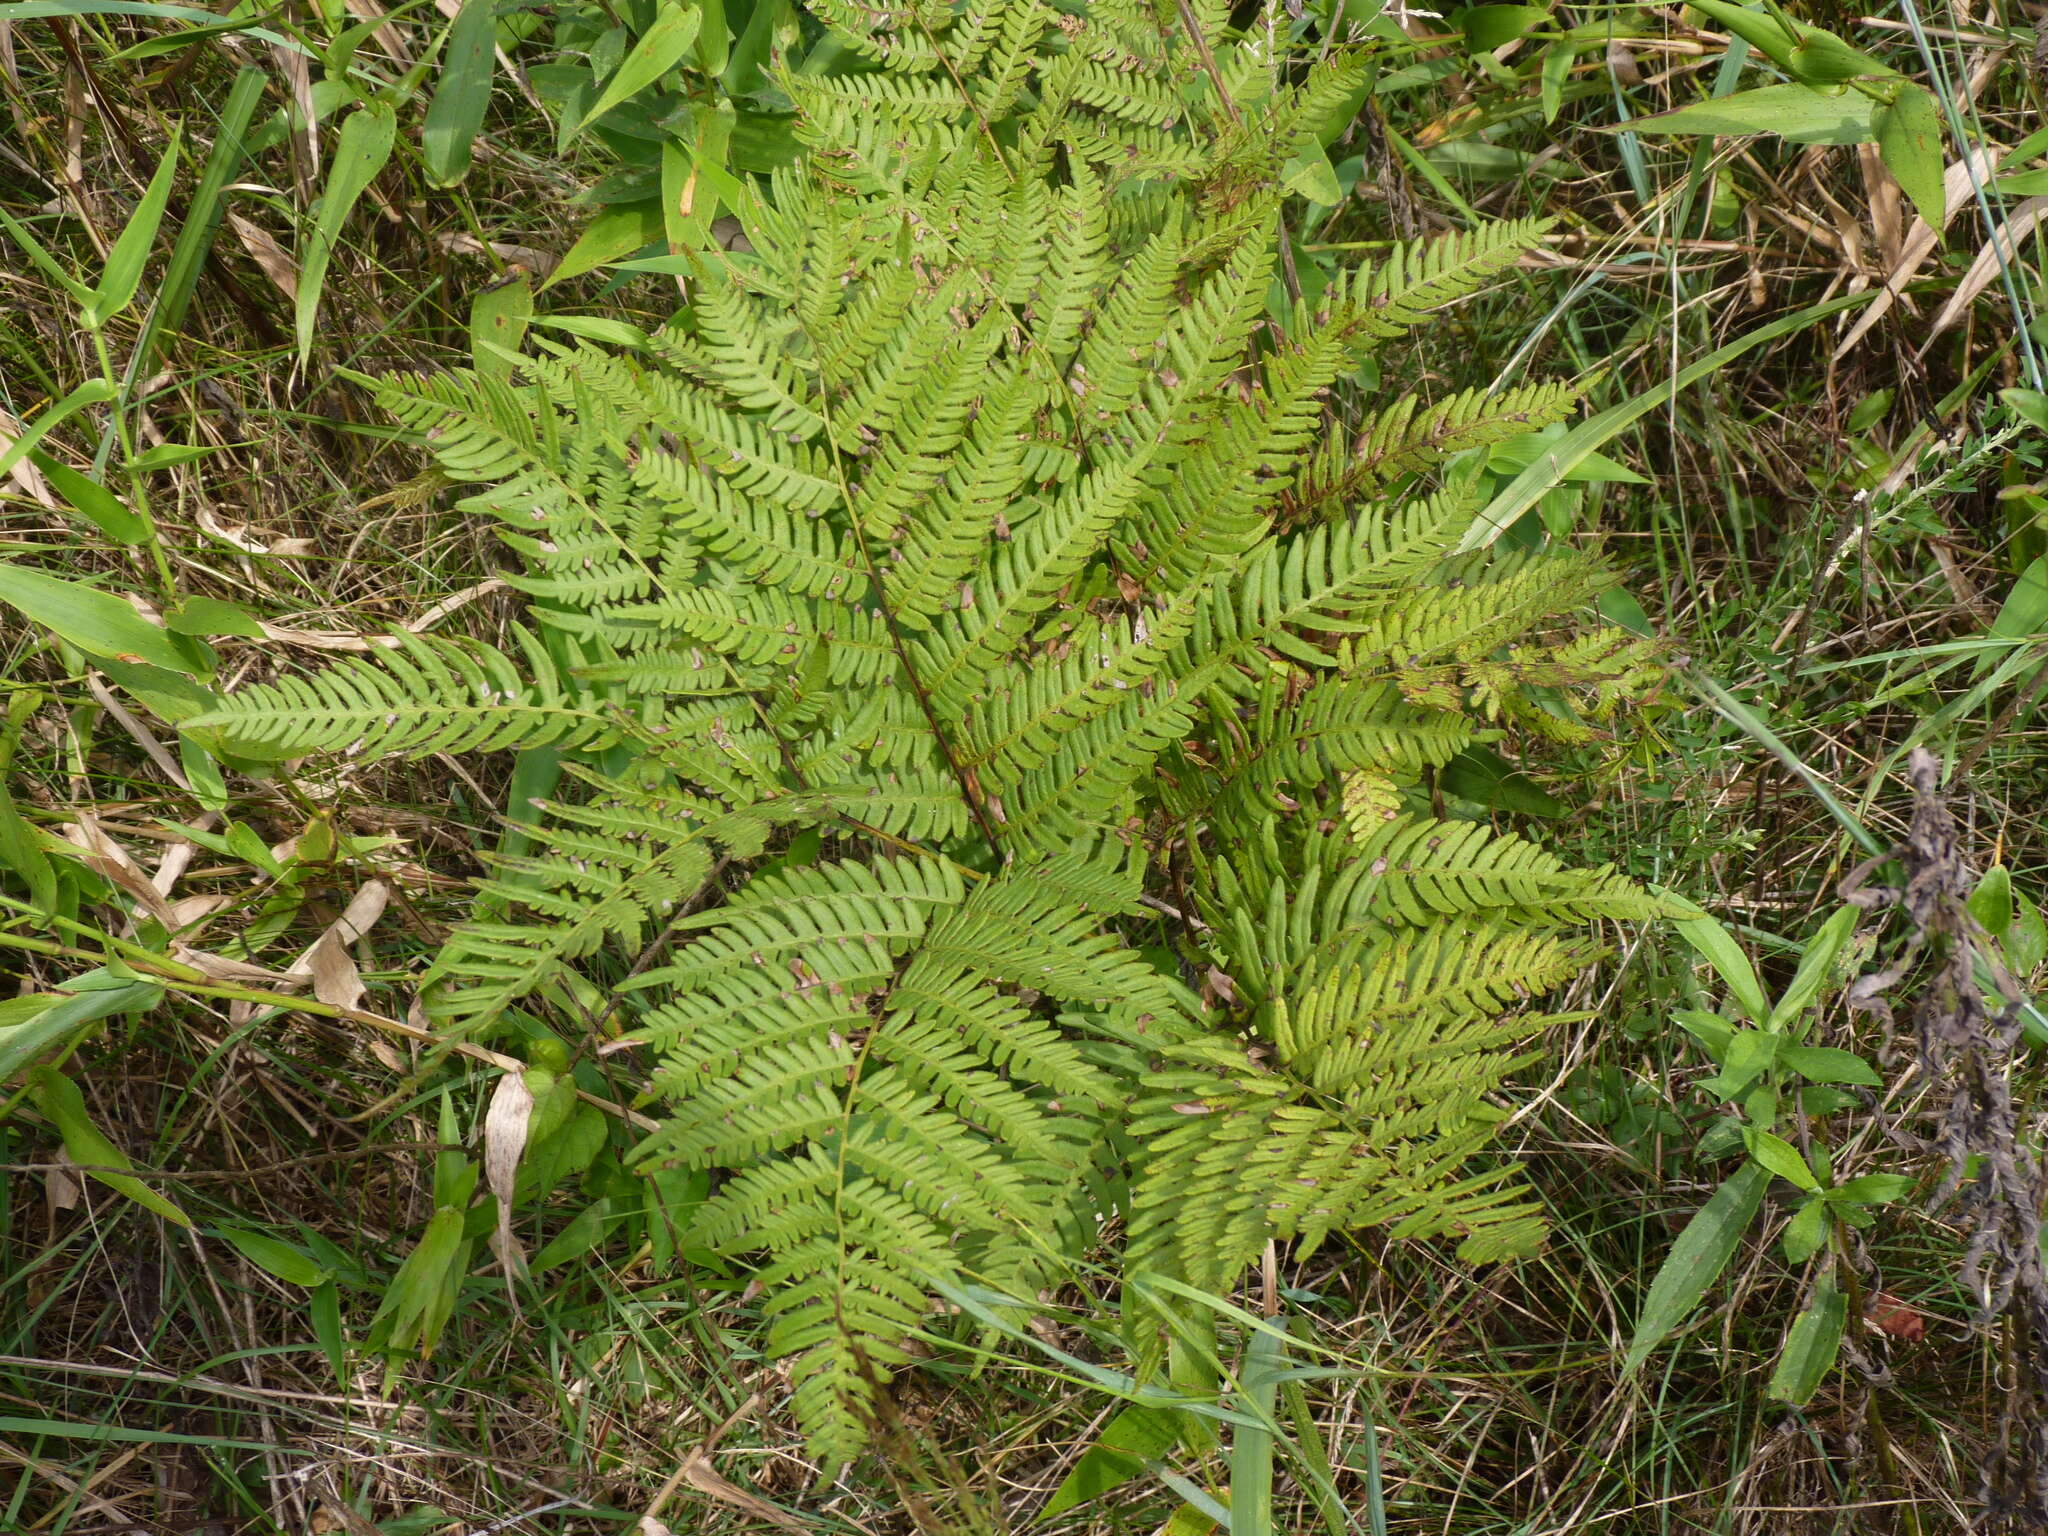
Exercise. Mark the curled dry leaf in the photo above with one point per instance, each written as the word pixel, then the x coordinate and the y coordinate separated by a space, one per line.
pixel 26 477
pixel 505 1126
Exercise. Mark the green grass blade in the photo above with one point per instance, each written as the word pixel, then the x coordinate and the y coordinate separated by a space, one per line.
pixel 208 205
pixel 1572 450
pixel 1251 1448
pixel 130 253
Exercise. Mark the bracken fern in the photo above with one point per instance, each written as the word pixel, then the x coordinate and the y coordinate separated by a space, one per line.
pixel 980 516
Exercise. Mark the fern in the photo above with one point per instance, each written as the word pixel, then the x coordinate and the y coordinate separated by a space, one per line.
pixel 974 527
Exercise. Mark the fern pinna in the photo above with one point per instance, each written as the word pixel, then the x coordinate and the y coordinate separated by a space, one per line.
pixel 997 514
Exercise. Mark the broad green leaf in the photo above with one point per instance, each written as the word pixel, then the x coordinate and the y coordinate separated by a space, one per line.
pixel 361 147
pixel 1825 1064
pixel 1807 1231
pixel 91 392
pixel 1717 946
pixel 660 48
pixel 1795 112
pixel 1129 1441
pixel 1487 27
pixel 93 501
pixel 64 1107
pixel 1811 1346
pixel 1875 1189
pixel 42 1022
pixel 1909 143
pixel 1557 72
pixel 1751 1053
pixel 1816 966
pixel 1991 902
pixel 1696 1260
pixel 714 38
pixel 1483 776
pixel 1780 1157
pixel 2026 944
pixel 619 231
pixel 21 850
pixel 290 1264
pixel 1311 175
pixel 498 318
pixel 456 114
pixel 1710 1029
pixel 97 622
pixel 584 1232
pixel 2030 405
pixel 211 616
pixel 122 274
pixel 1252 1447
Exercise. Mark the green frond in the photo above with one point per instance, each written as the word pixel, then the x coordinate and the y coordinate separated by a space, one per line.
pixel 1422 276
pixel 423 695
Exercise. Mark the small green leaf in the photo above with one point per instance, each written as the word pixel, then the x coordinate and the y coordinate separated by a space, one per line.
pixel 619 231
pixel 123 272
pixel 1696 1259
pixel 660 48
pixel 290 1264
pixel 456 114
pixel 1311 175
pixel 1135 1437
pixel 1824 1064
pixel 1781 1157
pixel 1487 27
pixel 64 1107
pixel 1751 1053
pixel 1875 1189
pixel 1991 901
pixel 1816 967
pixel 97 622
pixel 1811 1346
pixel 1909 143
pixel 498 318
pixel 1795 112
pixel 1717 946
pixel 1807 1231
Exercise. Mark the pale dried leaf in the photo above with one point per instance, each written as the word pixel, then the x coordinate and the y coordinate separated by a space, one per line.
pixel 336 981
pixel 2002 249
pixel 698 1472
pixel 506 1122
pixel 273 258
pixel 62 1189
pixel 1920 243
pixel 26 477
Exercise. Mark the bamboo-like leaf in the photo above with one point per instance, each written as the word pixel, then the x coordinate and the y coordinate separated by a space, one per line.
pixel 360 149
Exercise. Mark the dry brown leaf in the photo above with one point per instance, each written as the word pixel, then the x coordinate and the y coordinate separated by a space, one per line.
pixel 335 978
pixel 388 37
pixel 2001 249
pixel 111 861
pixel 62 1189
pixel 1920 243
pixel 527 258
pixel 698 1472
pixel 273 258
pixel 298 77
